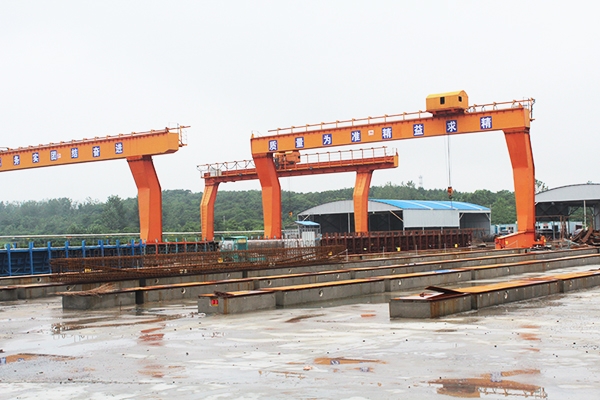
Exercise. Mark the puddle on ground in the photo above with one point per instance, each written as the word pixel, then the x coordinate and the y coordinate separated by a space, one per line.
pixel 342 360
pixel 379 298
pixel 530 326
pixel 30 356
pixel 302 317
pixel 534 349
pixel 75 337
pixel 528 336
pixel 158 371
pixel 91 320
pixel 153 371
pixel 490 384
pixel 76 325
pixel 287 374
pixel 149 336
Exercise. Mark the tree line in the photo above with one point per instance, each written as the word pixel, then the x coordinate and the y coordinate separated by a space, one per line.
pixel 234 210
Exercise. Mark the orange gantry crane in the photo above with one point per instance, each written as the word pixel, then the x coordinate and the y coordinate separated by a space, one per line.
pixel 361 161
pixel 446 114
pixel 137 147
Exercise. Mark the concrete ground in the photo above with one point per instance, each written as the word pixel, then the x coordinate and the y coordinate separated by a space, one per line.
pixel 547 348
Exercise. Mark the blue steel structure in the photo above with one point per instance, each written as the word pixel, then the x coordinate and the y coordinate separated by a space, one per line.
pixel 15 261
pixel 32 260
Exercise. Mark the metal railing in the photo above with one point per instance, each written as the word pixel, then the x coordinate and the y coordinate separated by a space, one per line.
pixel 352 156
pixel 525 103
pixel 179 130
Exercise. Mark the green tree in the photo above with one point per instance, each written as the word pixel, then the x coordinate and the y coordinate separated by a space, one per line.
pixel 540 186
pixel 234 210
pixel 503 212
pixel 113 214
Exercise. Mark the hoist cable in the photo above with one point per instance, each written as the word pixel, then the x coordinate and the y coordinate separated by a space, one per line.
pixel 448 161
pixel 449 167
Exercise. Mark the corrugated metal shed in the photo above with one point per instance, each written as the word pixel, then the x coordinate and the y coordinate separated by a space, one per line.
pixel 558 204
pixel 574 193
pixel 388 214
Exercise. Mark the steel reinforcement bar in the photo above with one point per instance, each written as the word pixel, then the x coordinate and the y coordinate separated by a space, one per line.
pixel 98 269
pixel 393 241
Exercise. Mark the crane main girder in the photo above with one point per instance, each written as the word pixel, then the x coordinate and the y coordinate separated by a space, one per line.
pixel 164 141
pixel 137 148
pixel 410 128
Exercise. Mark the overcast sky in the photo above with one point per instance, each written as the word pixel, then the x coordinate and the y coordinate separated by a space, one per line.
pixel 79 69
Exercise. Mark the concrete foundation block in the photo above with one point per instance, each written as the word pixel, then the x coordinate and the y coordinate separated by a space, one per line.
pixel 293 295
pixel 108 300
pixel 422 280
pixel 578 281
pixel 518 292
pixel 429 305
pixel 236 302
pixel 38 291
pixel 308 269
pixel 8 294
pixel 305 279
pixel 173 280
pixel 183 292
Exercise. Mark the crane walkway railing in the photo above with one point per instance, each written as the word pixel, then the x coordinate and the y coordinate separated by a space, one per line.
pixel 351 157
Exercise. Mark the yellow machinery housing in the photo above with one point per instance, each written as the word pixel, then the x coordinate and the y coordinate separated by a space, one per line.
pixel 285 159
pixel 447 103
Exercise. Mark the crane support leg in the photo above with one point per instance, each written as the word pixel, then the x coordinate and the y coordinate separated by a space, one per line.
pixel 271 194
pixel 521 158
pixel 207 210
pixel 149 197
pixel 361 201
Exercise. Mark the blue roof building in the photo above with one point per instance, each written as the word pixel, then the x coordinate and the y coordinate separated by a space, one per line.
pixel 395 215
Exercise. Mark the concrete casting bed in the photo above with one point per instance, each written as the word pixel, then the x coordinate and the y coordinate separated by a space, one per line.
pixel 429 305
pixel 236 302
pixel 395 283
pixel 446 301
pixel 292 295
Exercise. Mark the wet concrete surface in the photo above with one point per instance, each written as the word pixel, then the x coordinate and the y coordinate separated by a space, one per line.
pixel 547 348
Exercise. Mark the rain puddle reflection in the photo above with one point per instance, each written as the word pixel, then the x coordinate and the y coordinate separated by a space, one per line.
pixel 493 383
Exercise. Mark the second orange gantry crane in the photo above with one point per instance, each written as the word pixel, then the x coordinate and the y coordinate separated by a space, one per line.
pixel 361 161
pixel 137 147
pixel 446 114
